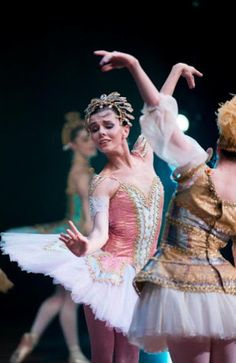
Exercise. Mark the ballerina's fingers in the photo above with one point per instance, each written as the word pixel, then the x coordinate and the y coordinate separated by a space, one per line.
pixel 64 237
pixel 76 233
pixel 73 228
pixel 106 59
pixel 102 53
pixel 190 80
pixel 107 67
pixel 197 73
pixel 106 56
pixel 72 235
pixel 68 239
pixel 189 73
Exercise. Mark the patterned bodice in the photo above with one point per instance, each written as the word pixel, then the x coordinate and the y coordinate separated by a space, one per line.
pixel 134 222
pixel 198 225
pixel 199 214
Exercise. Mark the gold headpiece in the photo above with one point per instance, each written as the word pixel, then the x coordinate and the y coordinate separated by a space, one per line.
pixel 73 120
pixel 113 101
pixel 226 121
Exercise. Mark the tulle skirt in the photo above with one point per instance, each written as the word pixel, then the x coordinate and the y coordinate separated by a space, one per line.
pixel 162 312
pixel 111 296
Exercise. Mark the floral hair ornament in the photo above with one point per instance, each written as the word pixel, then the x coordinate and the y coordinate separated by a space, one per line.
pixel 73 120
pixel 226 122
pixel 113 101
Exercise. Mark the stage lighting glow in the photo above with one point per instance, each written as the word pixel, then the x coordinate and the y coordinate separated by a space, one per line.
pixel 182 122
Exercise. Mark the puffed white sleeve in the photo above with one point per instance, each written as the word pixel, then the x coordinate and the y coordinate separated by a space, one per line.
pixel 98 204
pixel 159 126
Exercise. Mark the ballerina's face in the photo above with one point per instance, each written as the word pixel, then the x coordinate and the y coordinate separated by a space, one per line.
pixel 106 131
pixel 84 144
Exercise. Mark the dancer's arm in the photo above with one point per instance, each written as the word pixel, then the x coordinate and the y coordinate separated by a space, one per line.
pixel 148 91
pixel 75 240
pixel 177 71
pixel 159 123
pixel 116 60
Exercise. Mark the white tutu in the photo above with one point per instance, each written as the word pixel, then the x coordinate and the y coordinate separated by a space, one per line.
pixel 162 312
pixel 112 297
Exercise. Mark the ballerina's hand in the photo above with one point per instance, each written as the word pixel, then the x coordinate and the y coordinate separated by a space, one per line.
pixel 74 240
pixel 189 72
pixel 112 60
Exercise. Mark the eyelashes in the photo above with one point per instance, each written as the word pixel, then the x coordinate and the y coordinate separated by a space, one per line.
pixel 94 129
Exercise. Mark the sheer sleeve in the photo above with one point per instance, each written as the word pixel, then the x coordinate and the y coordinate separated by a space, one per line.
pixel 159 126
pixel 98 204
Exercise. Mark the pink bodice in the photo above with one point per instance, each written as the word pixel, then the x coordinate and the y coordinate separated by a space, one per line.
pixel 134 223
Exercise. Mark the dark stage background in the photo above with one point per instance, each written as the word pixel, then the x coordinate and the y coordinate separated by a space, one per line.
pixel 47 68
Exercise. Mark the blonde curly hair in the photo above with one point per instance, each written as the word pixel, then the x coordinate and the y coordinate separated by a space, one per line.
pixel 226 122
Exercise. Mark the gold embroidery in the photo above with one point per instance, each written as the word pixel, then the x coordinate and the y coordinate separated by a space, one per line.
pixel 202 201
pixel 141 146
pixel 213 189
pixel 146 199
pixel 181 175
pixel 119 273
pixel 145 240
pixel 147 209
pixel 197 232
pixel 174 269
pixel 145 277
pixel 198 226
pixel 95 181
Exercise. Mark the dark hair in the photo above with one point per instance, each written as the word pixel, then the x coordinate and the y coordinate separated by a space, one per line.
pixel 74 132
